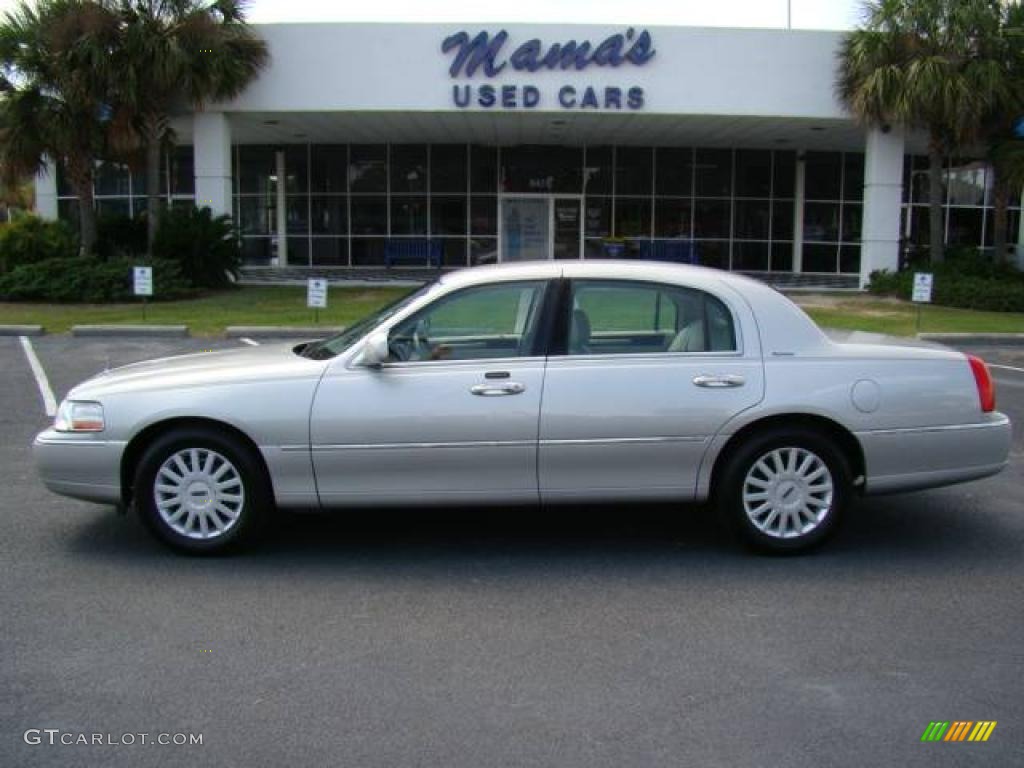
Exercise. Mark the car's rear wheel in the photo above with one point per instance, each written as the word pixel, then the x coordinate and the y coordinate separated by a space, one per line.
pixel 785 490
pixel 201 492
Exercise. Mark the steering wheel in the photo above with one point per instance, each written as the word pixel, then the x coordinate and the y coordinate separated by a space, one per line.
pixel 411 347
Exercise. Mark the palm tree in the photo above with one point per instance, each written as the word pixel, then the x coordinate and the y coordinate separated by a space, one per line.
pixel 927 65
pixel 1000 126
pixel 55 60
pixel 174 54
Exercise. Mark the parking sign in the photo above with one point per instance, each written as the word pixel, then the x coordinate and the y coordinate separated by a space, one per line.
pixel 143 280
pixel 316 293
pixel 922 287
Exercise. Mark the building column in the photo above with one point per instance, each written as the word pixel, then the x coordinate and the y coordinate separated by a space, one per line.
pixel 211 136
pixel 46 191
pixel 883 199
pixel 282 211
pixel 798 214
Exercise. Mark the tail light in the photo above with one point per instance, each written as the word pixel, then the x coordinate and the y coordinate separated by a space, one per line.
pixel 983 380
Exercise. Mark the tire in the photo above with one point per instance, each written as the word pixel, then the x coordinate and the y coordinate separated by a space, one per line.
pixel 202 492
pixel 785 490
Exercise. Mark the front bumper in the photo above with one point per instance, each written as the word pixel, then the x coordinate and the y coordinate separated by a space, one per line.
pixel 927 457
pixel 82 466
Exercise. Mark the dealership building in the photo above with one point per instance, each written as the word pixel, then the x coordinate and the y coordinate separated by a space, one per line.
pixel 362 147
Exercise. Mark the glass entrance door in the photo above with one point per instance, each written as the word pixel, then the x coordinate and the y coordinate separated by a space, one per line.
pixel 541 227
pixel 525 228
pixel 567 233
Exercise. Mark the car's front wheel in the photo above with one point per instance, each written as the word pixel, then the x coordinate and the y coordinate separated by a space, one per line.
pixel 201 492
pixel 785 490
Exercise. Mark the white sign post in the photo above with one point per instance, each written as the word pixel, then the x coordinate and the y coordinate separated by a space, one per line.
pixel 316 296
pixel 922 293
pixel 142 278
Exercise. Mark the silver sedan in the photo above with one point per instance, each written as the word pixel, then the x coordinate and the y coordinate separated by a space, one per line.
pixel 535 383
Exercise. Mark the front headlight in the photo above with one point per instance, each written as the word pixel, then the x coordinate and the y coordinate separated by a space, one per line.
pixel 79 416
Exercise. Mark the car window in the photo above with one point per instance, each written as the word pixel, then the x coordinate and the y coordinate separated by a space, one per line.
pixel 609 317
pixel 492 321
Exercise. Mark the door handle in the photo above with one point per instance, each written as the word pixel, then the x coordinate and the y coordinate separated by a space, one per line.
pixel 722 381
pixel 497 390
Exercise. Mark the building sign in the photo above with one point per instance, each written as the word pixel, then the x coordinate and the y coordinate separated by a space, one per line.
pixel 487 57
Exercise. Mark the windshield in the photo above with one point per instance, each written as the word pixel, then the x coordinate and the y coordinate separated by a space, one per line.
pixel 334 345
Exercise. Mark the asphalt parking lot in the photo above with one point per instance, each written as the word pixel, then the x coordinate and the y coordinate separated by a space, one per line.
pixel 632 636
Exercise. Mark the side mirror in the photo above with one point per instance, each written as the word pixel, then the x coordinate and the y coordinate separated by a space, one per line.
pixel 375 351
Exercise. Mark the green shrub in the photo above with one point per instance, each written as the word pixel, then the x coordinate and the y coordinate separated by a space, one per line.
pixel 120 236
pixel 966 280
pixel 29 239
pixel 207 248
pixel 88 279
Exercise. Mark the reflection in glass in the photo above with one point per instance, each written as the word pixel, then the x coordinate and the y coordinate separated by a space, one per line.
pixel 448 215
pixel 408 168
pixel 674 169
pixel 408 215
pixel 367 170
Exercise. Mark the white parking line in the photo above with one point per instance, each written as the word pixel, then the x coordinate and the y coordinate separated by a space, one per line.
pixel 1006 367
pixel 250 342
pixel 49 403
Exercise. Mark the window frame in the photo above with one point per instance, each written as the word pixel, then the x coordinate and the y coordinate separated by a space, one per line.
pixel 560 341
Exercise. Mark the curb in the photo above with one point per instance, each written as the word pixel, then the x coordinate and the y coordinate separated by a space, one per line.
pixel 142 331
pixel 280 331
pixel 1009 339
pixel 21 330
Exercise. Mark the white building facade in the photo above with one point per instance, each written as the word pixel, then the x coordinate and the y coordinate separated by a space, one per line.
pixel 370 145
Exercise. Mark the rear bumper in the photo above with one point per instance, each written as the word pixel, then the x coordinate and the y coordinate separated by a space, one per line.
pixel 927 457
pixel 79 466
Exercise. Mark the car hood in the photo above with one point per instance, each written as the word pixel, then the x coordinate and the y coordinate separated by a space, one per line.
pixel 269 362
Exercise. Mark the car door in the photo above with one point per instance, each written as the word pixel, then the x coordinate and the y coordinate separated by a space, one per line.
pixel 451 416
pixel 646 375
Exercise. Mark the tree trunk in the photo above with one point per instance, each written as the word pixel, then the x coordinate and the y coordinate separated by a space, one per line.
pixel 81 179
pixel 152 189
pixel 1000 206
pixel 936 238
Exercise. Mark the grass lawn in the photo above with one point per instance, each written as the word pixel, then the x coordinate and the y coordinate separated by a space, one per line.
pixel 870 313
pixel 209 315
pixel 286 305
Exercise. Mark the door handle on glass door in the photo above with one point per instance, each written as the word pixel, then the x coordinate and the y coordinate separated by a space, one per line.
pixel 719 382
pixel 497 390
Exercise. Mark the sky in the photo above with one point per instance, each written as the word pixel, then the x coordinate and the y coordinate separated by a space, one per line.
pixel 805 14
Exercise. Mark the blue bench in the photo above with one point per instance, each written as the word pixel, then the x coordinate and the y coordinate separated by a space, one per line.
pixel 413 251
pixel 681 251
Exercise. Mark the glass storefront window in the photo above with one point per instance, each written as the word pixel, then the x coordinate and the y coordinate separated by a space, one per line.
pixel 408 215
pixel 634 172
pixel 367 169
pixel 329 164
pixel 112 179
pixel 820 258
pixel 853 176
pixel 632 217
pixel 821 222
pixel 783 174
pixel 674 171
pixel 823 175
pixel 754 257
pixel 782 221
pixel 368 251
pixel 713 172
pixel 597 217
pixel 753 219
pixel 448 168
pixel 297 214
pixel 408 168
pixel 257 170
pixel 542 169
pixel 597 175
pixel 295 169
pixel 369 215
pixel 672 217
pixel 483 215
pixel 711 219
pixel 329 215
pixel 329 251
pixel 483 164
pixel 483 250
pixel 753 173
pixel 448 215
pixel 257 214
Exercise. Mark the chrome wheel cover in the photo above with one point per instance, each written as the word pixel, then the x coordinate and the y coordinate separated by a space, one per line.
pixel 199 493
pixel 788 492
